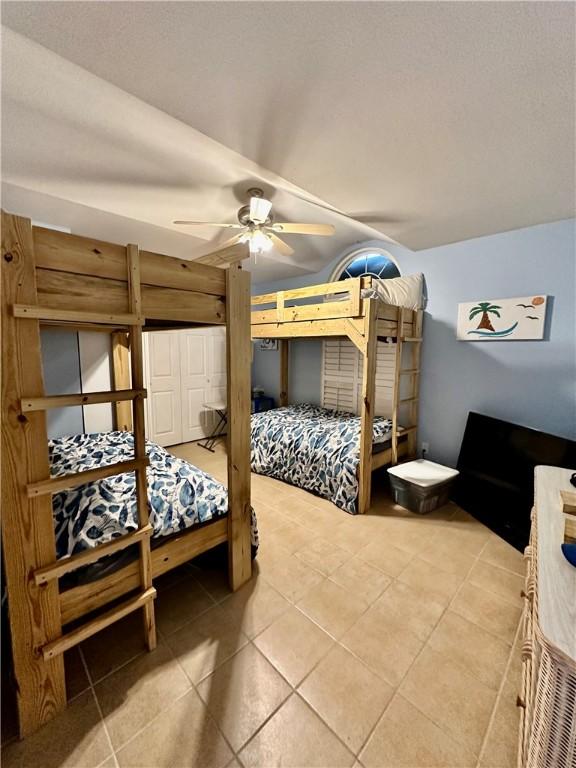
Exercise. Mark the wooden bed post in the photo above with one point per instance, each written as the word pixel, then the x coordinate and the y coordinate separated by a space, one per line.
pixel 137 366
pixel 27 525
pixel 367 406
pixel 397 379
pixel 415 363
pixel 121 379
pixel 238 398
pixel 284 371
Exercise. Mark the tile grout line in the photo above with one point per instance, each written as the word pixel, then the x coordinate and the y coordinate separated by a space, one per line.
pixel 195 688
pixel 165 643
pixel 424 645
pixel 396 688
pixel 152 720
pixel 294 689
pixel 99 708
pixel 499 694
pixel 476 559
pixel 174 702
pixel 338 642
pixel 448 607
pixel 137 655
pixel 487 592
pixel 293 692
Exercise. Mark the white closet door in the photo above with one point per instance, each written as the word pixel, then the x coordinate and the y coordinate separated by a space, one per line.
pixel 186 369
pixel 164 388
pixel 217 364
pixel 194 362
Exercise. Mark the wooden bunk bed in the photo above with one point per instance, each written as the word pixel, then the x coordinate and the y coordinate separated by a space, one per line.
pixel 314 312
pixel 53 278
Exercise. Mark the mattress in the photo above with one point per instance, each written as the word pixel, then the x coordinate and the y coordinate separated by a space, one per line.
pixel 407 291
pixel 180 495
pixel 313 448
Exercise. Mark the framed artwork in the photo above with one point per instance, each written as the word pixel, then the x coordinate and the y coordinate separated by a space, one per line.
pixel 268 344
pixel 502 319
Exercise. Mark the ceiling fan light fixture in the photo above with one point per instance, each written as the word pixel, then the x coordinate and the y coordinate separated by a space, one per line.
pixel 259 209
pixel 258 241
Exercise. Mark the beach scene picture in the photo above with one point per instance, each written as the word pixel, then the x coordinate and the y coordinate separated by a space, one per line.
pixel 502 319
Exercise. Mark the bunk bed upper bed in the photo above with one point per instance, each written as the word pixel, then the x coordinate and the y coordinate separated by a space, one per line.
pixel 352 309
pixel 54 278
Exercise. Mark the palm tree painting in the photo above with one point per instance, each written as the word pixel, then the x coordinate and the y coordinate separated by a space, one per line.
pixel 485 308
pixel 499 319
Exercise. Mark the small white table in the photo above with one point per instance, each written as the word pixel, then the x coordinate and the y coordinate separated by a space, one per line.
pixel 221 410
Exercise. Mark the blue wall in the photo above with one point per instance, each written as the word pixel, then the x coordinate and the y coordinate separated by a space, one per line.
pixel 527 382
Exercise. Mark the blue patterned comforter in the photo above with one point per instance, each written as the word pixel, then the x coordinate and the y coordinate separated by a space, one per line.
pixel 313 448
pixel 180 495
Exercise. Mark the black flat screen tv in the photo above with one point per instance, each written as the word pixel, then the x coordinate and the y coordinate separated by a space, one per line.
pixel 496 465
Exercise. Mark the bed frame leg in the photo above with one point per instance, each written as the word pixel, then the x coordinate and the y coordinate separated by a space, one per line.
pixel 27 525
pixel 284 372
pixel 367 409
pixel 238 397
pixel 121 380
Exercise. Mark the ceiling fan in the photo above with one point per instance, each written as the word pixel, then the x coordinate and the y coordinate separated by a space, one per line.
pixel 259 230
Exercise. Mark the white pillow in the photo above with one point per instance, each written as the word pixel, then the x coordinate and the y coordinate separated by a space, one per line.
pixel 401 291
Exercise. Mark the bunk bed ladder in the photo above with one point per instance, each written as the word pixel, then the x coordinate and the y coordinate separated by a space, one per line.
pixel 409 401
pixel 397 374
pixel 141 536
pixel 46 575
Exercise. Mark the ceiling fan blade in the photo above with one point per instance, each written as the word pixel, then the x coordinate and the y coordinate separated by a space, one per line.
pixel 337 212
pixel 208 224
pixel 281 246
pixel 229 252
pixel 290 228
pixel 259 209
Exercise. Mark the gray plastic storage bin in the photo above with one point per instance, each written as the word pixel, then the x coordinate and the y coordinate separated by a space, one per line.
pixel 421 486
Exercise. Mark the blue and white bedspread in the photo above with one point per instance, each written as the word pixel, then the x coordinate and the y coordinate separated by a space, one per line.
pixel 180 495
pixel 313 448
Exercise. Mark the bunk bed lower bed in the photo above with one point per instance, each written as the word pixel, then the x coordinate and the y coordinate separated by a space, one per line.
pixel 316 449
pixel 180 497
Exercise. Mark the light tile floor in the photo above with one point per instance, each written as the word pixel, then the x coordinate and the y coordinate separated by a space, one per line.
pixel 387 640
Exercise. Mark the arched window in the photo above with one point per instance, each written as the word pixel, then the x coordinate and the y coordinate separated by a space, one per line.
pixel 367 261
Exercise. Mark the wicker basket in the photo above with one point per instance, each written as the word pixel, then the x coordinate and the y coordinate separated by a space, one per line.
pixel 548 698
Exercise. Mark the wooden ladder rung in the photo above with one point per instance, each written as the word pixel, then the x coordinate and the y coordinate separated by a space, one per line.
pixel 34 312
pixel 69 640
pixel 412 339
pixel 62 401
pixel 410 372
pixel 69 564
pixel 405 430
pixel 408 400
pixel 56 484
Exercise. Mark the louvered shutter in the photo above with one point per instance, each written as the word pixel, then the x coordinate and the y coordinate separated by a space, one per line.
pixel 339 375
pixel 342 376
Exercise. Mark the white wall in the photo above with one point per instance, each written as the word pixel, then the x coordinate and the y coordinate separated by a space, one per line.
pixel 95 374
pixel 61 370
pixel 73 363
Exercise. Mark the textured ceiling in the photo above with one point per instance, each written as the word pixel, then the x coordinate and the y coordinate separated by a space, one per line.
pixel 76 138
pixel 436 121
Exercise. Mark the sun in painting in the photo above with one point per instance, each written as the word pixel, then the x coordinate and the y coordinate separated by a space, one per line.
pixel 537 300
